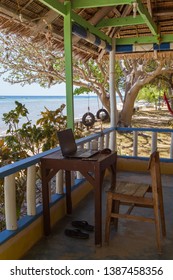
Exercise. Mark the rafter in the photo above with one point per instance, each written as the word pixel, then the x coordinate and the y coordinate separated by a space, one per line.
pixel 144 40
pixel 147 18
pixel 76 4
pixel 60 8
pixel 123 21
pixel 91 28
pixel 149 5
pixel 56 6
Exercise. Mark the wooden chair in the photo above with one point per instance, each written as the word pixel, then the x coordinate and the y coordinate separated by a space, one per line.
pixel 133 194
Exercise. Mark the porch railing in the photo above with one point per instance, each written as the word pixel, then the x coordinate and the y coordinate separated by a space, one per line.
pixel 100 140
pixel 153 138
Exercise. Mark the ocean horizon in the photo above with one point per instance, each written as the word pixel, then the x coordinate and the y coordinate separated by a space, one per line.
pixel 36 104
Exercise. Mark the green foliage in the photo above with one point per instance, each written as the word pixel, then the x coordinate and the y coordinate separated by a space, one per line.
pixel 50 123
pixel 24 140
pixel 150 93
pixel 81 90
pixel 120 78
pixel 154 91
pixel 28 139
pixel 151 65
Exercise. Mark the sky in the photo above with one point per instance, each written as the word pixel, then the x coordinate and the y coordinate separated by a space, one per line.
pixel 34 89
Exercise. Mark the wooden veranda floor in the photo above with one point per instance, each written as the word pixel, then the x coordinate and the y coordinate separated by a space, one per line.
pixel 133 241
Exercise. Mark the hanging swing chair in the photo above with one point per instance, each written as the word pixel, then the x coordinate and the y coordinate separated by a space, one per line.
pixel 167 103
pixel 102 114
pixel 88 118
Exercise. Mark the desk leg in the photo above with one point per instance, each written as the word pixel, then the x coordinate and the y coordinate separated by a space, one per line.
pixel 46 208
pixel 68 192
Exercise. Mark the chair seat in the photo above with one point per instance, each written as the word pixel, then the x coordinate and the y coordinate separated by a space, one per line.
pixel 133 189
pixel 131 193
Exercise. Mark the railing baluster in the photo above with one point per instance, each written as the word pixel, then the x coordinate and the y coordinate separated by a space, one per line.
pixel 79 175
pixel 73 175
pixel 59 182
pixel 154 141
pixel 94 144
pixel 88 145
pixel 30 190
pixel 135 143
pixel 112 142
pixel 101 142
pixel 107 140
pixel 10 202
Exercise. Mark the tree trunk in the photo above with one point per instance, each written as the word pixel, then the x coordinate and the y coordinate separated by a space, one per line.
pixel 125 116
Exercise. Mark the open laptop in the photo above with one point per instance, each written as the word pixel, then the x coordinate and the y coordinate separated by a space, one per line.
pixel 69 148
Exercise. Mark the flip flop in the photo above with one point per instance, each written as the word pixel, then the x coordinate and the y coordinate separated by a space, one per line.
pixel 76 233
pixel 83 225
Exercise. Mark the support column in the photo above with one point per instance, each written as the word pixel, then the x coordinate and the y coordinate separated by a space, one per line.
pixel 68 65
pixel 113 107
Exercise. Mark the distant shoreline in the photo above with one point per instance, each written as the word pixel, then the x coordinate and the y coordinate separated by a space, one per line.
pixel 36 104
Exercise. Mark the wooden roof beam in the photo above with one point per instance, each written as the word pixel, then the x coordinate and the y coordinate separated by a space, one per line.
pixel 45 21
pixel 76 4
pixel 56 6
pixel 60 8
pixel 123 21
pixel 149 5
pixel 95 19
pixel 147 18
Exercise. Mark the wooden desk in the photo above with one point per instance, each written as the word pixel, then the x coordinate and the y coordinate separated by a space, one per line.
pixel 93 171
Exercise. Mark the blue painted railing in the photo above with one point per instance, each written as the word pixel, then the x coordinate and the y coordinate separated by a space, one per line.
pixel 154 135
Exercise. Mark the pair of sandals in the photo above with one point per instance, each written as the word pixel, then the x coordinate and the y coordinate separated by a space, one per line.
pixel 77 233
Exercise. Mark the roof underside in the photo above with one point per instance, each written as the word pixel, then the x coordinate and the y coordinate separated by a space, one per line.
pixel 135 27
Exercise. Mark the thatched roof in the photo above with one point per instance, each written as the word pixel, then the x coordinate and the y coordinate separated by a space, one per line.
pixel 152 23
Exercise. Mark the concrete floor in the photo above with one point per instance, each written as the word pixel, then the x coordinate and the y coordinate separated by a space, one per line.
pixel 133 240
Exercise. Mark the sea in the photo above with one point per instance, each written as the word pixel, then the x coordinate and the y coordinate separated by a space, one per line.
pixel 36 104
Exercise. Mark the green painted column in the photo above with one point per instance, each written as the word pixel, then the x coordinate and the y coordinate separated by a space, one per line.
pixel 68 65
pixel 113 106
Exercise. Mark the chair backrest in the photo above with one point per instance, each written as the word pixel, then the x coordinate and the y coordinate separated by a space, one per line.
pixel 154 167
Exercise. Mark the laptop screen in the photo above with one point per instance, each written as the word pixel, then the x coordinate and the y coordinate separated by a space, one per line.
pixel 67 142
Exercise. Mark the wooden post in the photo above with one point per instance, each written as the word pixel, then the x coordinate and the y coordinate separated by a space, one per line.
pixel 113 107
pixel 68 65
pixel 10 202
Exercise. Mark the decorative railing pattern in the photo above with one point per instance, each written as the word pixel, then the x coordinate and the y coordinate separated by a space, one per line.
pixel 99 140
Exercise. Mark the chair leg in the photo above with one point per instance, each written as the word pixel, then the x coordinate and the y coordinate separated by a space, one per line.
pixel 162 214
pixel 115 209
pixel 157 226
pixel 108 217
